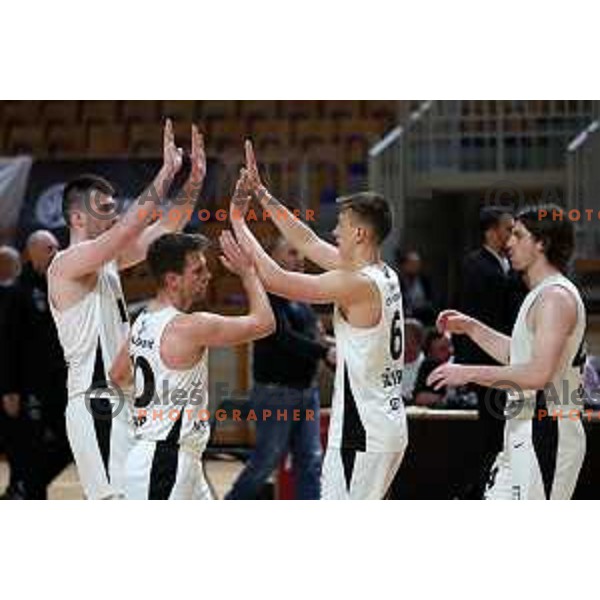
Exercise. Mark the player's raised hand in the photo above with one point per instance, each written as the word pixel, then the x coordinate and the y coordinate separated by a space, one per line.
pixel 254 180
pixel 172 156
pixel 198 157
pixel 240 202
pixel 234 258
pixel 453 321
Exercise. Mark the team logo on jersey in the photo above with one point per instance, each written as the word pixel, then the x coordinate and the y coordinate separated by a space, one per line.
pixel 395 404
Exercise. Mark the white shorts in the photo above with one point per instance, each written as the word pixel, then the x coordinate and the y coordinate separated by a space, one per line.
pixel 541 460
pixel 356 475
pixel 165 471
pixel 100 443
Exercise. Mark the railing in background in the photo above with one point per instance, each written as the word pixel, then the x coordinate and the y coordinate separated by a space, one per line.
pixel 583 191
pixel 455 141
pixel 389 169
pixel 466 136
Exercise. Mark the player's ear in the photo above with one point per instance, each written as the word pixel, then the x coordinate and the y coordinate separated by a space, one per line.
pixel 541 245
pixel 77 219
pixel 362 234
pixel 170 280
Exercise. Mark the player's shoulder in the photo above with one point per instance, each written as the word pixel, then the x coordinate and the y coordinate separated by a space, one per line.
pixel 64 256
pixel 54 268
pixel 559 299
pixel 351 277
pixel 560 293
pixel 186 324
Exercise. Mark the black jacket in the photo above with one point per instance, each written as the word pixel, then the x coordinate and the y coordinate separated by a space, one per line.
pixel 35 360
pixel 291 355
pixel 491 296
pixel 6 301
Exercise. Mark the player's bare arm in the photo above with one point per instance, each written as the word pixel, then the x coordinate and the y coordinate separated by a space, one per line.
pixel 553 319
pixel 494 343
pixel 86 257
pixel 176 217
pixel 187 337
pixel 121 372
pixel 300 235
pixel 354 293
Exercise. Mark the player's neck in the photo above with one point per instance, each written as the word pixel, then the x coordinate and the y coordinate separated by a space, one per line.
pixel 539 271
pixel 164 299
pixel 364 256
pixel 76 236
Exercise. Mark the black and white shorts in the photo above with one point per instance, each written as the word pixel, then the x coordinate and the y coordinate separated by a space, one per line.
pixel 355 475
pixel 541 460
pixel 100 439
pixel 166 471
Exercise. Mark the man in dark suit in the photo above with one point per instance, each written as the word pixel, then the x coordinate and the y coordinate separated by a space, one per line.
pixel 34 385
pixel 492 293
pixel 10 265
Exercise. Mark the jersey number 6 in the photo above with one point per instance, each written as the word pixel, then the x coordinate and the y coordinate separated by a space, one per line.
pixel 396 337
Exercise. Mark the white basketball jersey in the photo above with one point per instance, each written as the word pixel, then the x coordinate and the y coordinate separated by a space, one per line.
pixel 93 331
pixel 169 404
pixel 367 409
pixel 566 391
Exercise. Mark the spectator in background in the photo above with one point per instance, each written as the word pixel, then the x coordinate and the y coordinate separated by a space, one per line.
pixel 36 381
pixel 492 293
pixel 416 290
pixel 284 368
pixel 10 266
pixel 414 334
pixel 438 350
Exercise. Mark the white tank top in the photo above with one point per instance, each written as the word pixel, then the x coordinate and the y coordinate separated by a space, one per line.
pixel 93 331
pixel 566 392
pixel 169 404
pixel 367 409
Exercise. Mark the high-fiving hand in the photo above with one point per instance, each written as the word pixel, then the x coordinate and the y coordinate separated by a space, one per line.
pixel 240 202
pixel 172 156
pixel 198 157
pixel 235 258
pixel 253 178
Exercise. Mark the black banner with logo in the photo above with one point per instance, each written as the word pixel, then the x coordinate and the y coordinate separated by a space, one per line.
pixel 42 207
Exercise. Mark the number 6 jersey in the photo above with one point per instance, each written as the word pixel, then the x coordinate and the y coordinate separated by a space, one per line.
pixel 367 409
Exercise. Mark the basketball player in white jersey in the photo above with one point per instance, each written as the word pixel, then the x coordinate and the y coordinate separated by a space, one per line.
pixel 169 350
pixel 89 310
pixel 544 441
pixel 368 430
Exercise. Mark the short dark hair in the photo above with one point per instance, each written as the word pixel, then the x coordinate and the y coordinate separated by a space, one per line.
pixel 371 208
pixel 168 253
pixel 431 336
pixel 76 190
pixel 490 216
pixel 414 328
pixel 557 236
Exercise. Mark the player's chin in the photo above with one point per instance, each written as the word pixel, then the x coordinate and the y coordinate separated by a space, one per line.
pixel 515 263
